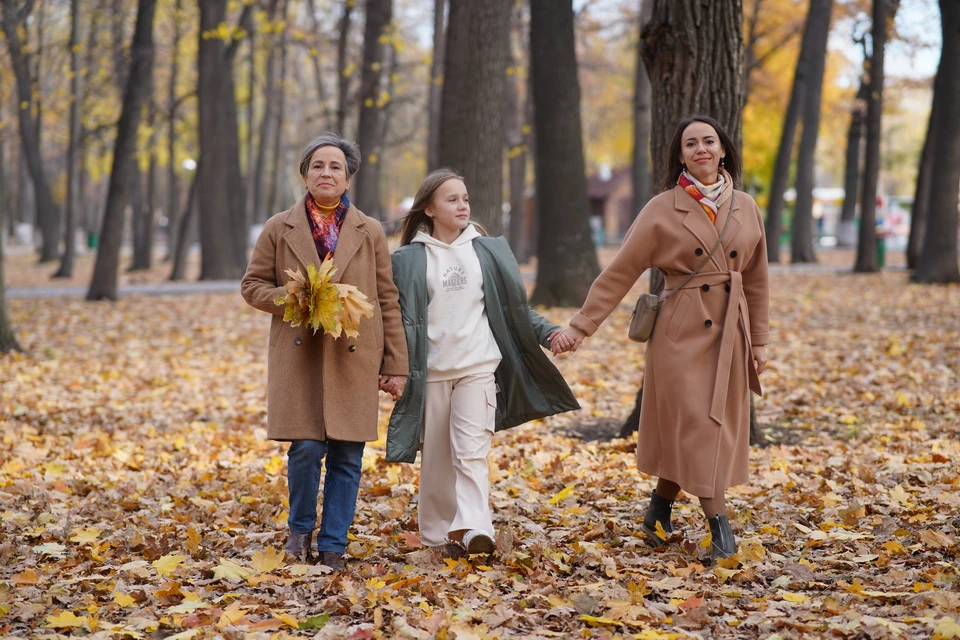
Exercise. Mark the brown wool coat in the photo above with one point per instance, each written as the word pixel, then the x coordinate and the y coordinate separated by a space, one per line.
pixel 695 415
pixel 318 387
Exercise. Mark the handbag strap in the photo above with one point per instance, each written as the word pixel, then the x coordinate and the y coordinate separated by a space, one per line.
pixel 733 195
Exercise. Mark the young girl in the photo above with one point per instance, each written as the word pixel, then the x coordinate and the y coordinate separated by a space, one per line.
pixel 476 366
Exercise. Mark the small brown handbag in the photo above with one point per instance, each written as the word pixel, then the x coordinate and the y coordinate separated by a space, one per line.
pixel 648 305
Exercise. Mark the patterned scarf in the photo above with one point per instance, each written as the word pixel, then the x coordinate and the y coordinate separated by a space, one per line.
pixel 326 228
pixel 706 195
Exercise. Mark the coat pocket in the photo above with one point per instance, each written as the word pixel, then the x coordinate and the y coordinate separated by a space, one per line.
pixel 678 314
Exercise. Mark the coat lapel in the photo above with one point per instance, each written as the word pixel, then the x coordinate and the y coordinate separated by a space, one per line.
pixel 698 224
pixel 351 237
pixel 299 237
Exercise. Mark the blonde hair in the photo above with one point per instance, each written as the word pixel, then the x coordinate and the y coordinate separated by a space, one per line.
pixel 417 217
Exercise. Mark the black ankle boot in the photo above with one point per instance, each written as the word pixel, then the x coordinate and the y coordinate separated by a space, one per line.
pixel 658 510
pixel 723 544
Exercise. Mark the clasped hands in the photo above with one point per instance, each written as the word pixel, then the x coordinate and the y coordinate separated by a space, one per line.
pixel 393 385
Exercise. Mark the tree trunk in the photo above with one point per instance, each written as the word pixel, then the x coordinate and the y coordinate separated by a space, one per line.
pixel 781 167
pixel 641 179
pixel 173 192
pixel 867 242
pixel 436 87
pixel 707 37
pixel 71 212
pixel 260 207
pixel 366 185
pixel 921 199
pixel 343 80
pixel 8 339
pixel 182 243
pixel 317 70
pixel 938 261
pixel 139 82
pixel 48 216
pixel 143 226
pixel 515 140
pixel 471 129
pixel 846 234
pixel 567 262
pixel 221 189
pixel 801 231
pixel 281 93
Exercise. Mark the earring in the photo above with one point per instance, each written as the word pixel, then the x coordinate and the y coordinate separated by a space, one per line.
pixel 684 165
pixel 721 162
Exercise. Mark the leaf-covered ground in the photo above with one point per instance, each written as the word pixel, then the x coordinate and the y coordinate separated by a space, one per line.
pixel 139 497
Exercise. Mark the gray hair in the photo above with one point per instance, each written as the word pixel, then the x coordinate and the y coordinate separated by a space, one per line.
pixel 332 139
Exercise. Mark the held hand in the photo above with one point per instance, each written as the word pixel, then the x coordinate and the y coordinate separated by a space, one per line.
pixel 394 385
pixel 568 339
pixel 760 355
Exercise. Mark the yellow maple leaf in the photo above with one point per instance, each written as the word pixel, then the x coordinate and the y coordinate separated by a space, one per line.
pixel 660 531
pixel 562 495
pixel 706 542
pixel 274 465
pixel 168 564
pixel 947 628
pixel 231 571
pixel 594 621
pixel 355 307
pixel 899 495
pixel 794 597
pixel 65 619
pixel 123 599
pixel 268 560
pixel 85 536
pixel 231 615
pixel 287 619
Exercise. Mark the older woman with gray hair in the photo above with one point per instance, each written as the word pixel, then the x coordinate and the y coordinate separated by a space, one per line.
pixel 321 391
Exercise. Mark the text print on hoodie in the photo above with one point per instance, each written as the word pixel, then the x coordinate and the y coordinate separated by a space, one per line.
pixel 460 340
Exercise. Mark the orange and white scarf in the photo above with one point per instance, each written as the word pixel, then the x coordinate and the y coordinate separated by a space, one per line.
pixel 706 194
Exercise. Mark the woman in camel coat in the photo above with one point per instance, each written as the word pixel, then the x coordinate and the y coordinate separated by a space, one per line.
pixel 322 393
pixel 707 347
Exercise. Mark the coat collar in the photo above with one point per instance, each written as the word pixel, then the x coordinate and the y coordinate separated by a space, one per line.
pixel 300 238
pixel 697 222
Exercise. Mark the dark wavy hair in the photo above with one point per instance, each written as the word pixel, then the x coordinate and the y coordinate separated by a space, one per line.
pixel 673 167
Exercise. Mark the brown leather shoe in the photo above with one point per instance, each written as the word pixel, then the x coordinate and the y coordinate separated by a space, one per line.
pixel 298 545
pixel 333 560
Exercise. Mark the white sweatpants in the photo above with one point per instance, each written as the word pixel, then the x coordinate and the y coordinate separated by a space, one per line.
pixel 459 420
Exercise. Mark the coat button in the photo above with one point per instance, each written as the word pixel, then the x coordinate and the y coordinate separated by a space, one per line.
pixel 733 254
pixel 406 322
pixel 705 288
pixel 352 348
pixel 297 341
pixel 727 287
pixel 698 252
pixel 708 323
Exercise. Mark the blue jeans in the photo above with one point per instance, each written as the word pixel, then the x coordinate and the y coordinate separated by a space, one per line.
pixel 340 489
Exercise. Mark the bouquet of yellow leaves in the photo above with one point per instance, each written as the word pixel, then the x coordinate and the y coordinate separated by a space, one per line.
pixel 319 303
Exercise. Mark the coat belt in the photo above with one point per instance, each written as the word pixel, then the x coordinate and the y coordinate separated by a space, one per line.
pixel 736 306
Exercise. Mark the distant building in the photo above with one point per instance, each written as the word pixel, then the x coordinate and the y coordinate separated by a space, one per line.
pixel 610 193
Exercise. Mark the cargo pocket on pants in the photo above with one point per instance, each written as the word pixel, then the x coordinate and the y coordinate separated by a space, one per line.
pixel 490 415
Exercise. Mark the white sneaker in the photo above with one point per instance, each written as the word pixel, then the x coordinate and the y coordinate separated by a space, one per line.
pixel 479 541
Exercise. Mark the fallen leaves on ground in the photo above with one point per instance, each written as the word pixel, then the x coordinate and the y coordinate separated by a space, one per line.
pixel 139 497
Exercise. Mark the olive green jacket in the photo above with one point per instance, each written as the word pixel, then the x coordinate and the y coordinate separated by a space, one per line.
pixel 528 385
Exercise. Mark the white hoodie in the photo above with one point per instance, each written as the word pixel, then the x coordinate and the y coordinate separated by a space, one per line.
pixel 460 342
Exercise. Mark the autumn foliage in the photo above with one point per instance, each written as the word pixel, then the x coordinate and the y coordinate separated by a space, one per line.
pixel 139 496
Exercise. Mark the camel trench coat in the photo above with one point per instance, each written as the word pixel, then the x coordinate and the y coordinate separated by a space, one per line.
pixel 319 387
pixel 695 415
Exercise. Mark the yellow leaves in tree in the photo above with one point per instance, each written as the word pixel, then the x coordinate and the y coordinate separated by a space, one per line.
pixel 268 560
pixel 317 301
pixel 168 564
